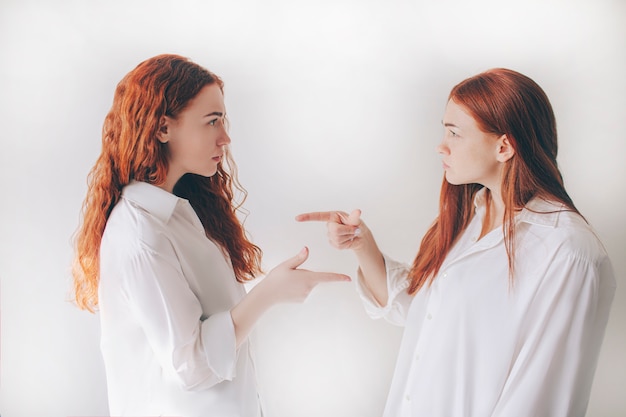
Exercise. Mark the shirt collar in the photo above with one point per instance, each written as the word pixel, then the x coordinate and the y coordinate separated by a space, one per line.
pixel 537 211
pixel 151 198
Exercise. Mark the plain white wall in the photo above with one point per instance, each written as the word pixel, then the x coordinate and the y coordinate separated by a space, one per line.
pixel 333 105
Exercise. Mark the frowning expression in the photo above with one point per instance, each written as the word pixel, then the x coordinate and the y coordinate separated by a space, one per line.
pixel 196 138
pixel 469 155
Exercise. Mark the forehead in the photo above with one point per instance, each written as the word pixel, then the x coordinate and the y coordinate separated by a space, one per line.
pixel 209 99
pixel 457 115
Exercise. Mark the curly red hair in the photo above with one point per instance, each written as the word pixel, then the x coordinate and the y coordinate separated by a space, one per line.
pixel 160 86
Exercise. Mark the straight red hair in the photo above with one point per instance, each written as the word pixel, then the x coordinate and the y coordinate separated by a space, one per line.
pixel 160 86
pixel 506 102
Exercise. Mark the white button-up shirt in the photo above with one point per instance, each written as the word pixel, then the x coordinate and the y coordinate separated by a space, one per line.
pixel 165 295
pixel 475 345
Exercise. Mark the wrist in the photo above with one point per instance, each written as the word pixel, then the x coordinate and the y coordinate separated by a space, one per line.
pixel 366 247
pixel 262 296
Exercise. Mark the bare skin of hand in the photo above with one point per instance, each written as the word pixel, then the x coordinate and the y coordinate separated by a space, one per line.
pixel 348 231
pixel 344 230
pixel 285 283
pixel 288 283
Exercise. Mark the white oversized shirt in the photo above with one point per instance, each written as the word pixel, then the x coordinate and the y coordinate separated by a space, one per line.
pixel 165 295
pixel 475 345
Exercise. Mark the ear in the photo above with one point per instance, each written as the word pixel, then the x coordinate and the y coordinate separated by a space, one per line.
pixel 505 149
pixel 162 133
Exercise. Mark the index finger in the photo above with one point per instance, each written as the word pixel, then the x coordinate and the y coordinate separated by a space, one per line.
pixel 319 216
pixel 319 277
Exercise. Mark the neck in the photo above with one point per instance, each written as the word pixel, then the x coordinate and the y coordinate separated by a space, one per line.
pixel 170 182
pixel 494 215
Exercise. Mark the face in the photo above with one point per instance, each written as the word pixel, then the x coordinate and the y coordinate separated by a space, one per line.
pixel 197 137
pixel 470 155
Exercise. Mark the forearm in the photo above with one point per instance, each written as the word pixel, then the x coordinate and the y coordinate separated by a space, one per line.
pixel 372 266
pixel 285 283
pixel 246 314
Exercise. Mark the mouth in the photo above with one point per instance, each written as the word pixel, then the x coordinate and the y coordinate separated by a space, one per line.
pixel 217 158
pixel 445 166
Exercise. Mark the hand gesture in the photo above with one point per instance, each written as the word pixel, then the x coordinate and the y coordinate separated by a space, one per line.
pixel 287 283
pixel 284 283
pixel 344 231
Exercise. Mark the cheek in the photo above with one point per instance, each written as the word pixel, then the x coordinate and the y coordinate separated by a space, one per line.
pixel 199 138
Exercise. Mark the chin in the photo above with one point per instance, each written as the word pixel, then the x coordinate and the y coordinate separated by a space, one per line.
pixel 452 181
pixel 208 172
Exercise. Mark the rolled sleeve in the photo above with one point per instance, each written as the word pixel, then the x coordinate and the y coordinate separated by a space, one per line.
pixel 196 353
pixel 218 337
pixel 398 300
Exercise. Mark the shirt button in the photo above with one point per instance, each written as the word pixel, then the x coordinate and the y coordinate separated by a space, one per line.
pixel 417 357
pixel 445 274
pixel 474 239
pixel 429 316
pixel 407 397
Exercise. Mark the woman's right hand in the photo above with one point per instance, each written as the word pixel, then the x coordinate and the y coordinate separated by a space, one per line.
pixel 348 231
pixel 345 231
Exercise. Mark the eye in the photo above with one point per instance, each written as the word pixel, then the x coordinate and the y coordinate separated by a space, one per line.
pixel 453 134
pixel 213 122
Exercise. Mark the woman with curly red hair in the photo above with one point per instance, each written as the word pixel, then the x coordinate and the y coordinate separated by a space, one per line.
pixel 506 303
pixel 163 257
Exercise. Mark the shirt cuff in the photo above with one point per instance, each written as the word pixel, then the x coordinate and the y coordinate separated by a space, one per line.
pixel 397 284
pixel 220 346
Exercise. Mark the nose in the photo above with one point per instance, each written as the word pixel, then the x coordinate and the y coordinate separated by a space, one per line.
pixel 224 139
pixel 442 148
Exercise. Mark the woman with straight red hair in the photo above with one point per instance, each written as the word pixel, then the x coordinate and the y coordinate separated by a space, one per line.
pixel 506 303
pixel 163 257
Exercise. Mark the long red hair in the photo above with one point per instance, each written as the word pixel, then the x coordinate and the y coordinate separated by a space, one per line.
pixel 501 101
pixel 160 86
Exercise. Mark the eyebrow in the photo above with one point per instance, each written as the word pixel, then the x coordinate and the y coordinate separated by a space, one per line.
pixel 215 113
pixel 449 124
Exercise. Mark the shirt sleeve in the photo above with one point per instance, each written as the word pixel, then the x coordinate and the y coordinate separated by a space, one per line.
pixel 398 301
pixel 197 353
pixel 560 342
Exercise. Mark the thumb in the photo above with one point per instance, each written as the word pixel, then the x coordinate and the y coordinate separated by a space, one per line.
pixel 355 218
pixel 296 261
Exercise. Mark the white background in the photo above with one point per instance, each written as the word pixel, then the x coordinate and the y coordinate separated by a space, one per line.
pixel 333 105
